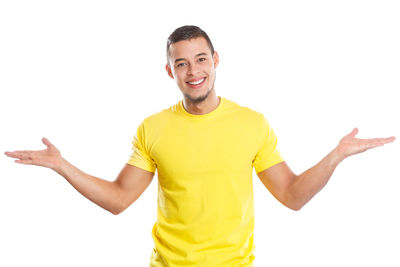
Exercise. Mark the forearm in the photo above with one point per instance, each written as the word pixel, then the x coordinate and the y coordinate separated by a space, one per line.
pixel 104 193
pixel 306 185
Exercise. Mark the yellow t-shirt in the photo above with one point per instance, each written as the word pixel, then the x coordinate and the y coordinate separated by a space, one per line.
pixel 205 214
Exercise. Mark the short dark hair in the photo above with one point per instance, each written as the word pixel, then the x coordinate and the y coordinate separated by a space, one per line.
pixel 188 32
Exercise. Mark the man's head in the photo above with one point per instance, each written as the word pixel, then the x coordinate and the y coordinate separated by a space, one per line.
pixel 191 61
pixel 187 32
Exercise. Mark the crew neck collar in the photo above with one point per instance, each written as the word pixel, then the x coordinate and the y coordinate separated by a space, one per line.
pixel 202 116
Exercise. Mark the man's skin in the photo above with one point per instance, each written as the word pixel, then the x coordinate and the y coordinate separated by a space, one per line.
pixel 191 61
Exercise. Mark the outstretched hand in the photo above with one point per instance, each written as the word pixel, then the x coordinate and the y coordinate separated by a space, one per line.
pixel 350 145
pixel 49 157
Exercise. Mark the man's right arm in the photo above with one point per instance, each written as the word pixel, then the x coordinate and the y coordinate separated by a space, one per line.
pixel 113 196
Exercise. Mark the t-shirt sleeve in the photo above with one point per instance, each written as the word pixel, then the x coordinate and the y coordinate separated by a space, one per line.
pixel 140 157
pixel 268 153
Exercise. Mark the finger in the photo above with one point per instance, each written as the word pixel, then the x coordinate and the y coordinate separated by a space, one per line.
pixel 22 154
pixel 373 145
pixel 390 139
pixel 354 132
pixel 24 161
pixel 46 141
pixel 379 140
pixel 386 140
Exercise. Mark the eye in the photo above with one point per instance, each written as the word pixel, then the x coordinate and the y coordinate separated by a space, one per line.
pixel 181 65
pixel 202 59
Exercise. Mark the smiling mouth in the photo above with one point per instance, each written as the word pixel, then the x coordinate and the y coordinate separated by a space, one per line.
pixel 196 84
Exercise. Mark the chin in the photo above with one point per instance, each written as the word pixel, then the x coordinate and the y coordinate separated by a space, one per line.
pixel 199 98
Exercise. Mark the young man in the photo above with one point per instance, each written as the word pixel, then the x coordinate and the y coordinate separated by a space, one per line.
pixel 204 149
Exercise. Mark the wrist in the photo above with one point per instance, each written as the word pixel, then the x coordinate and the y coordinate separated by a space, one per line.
pixel 337 156
pixel 60 166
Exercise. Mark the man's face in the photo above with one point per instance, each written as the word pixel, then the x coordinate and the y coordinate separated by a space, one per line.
pixel 193 68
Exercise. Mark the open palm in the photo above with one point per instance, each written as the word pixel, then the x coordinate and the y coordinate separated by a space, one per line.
pixel 350 145
pixel 49 157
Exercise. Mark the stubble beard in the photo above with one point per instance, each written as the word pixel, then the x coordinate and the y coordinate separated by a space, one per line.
pixel 200 98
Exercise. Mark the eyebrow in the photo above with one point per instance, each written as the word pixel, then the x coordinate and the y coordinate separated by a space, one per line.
pixel 198 55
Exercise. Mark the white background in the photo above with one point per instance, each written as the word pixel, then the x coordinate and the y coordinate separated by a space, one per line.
pixel 85 73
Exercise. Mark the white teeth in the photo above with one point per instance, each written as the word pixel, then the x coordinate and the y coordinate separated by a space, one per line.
pixel 198 82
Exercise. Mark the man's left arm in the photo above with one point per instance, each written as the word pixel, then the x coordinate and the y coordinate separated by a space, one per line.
pixel 294 191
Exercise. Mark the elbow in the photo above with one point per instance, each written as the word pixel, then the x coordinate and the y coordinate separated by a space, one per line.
pixel 293 203
pixel 117 209
pixel 295 207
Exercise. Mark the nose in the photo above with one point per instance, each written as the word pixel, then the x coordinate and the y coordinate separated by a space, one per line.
pixel 193 69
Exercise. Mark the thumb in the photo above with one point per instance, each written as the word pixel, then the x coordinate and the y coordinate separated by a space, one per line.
pixel 46 142
pixel 354 132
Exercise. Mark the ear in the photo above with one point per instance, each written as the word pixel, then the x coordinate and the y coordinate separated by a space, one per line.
pixel 216 59
pixel 169 71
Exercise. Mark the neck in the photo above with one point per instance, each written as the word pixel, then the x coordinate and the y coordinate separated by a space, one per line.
pixel 209 104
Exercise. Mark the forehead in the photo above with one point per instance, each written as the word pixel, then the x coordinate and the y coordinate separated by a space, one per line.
pixel 189 48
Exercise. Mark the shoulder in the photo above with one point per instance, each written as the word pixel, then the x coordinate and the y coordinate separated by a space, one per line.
pixel 161 116
pixel 242 111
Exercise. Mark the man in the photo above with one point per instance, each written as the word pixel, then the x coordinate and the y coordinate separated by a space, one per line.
pixel 204 149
